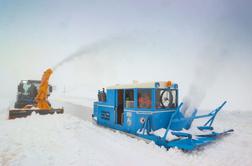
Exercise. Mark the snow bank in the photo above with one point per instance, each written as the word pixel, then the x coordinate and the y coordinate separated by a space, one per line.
pixel 68 140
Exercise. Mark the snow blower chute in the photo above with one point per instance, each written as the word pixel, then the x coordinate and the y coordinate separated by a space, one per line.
pixel 151 111
pixel 33 97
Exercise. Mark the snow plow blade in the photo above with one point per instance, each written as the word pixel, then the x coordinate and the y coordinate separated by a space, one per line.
pixel 190 144
pixel 20 113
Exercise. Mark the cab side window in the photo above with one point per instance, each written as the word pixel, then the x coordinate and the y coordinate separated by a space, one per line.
pixel 144 98
pixel 129 98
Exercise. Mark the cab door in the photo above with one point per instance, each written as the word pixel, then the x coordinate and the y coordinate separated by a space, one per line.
pixel 119 106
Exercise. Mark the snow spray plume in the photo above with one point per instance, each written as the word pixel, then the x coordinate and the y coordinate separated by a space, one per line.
pixel 91 49
pixel 209 66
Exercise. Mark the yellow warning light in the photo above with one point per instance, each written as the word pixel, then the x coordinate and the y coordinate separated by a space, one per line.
pixel 168 83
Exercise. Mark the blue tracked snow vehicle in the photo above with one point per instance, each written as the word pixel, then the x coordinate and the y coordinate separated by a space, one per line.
pixel 146 109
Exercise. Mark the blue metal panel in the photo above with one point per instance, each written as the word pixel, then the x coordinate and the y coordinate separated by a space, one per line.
pixel 111 97
pixel 160 120
pixel 105 115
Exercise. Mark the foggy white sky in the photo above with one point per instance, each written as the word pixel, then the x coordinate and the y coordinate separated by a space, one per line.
pixel 199 44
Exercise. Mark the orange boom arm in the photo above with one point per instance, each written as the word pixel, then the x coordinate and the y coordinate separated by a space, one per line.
pixel 42 95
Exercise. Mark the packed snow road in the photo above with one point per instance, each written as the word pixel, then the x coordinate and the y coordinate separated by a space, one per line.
pixel 71 139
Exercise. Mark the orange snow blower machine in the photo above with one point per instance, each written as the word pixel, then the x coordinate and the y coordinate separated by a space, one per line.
pixel 33 97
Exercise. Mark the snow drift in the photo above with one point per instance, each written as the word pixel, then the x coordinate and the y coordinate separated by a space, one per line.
pixel 71 139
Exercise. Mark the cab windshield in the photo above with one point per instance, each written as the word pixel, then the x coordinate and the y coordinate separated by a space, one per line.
pixel 28 88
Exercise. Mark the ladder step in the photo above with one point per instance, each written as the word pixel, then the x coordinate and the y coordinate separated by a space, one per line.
pixel 181 134
pixel 205 128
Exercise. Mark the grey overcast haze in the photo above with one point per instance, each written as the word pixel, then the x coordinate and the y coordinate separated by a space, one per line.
pixel 204 46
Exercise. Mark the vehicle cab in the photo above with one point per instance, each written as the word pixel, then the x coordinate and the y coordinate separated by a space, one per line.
pixel 129 107
pixel 27 91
